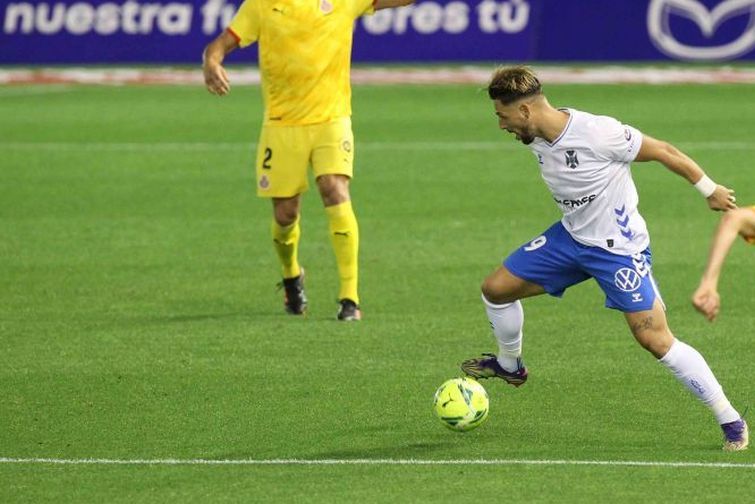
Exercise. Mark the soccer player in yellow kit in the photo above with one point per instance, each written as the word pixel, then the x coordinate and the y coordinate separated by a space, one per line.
pixel 734 222
pixel 305 59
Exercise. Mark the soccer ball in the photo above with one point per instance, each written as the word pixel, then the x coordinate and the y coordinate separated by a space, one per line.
pixel 461 404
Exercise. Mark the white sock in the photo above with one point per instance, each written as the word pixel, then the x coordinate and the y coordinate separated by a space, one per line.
pixel 690 368
pixel 507 321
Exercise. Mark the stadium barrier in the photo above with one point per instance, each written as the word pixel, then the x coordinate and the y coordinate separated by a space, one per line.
pixel 174 32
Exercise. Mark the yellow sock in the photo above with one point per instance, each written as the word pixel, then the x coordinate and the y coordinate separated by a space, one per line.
pixel 344 234
pixel 286 242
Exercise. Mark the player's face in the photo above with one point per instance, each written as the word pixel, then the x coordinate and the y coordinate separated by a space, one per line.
pixel 514 119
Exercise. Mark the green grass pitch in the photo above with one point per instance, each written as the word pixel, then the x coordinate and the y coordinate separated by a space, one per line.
pixel 139 317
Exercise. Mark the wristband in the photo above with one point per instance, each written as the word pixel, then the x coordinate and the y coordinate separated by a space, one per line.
pixel 706 186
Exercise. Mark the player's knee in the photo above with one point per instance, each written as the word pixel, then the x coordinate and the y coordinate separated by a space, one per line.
pixel 494 290
pixel 660 347
pixel 286 211
pixel 334 189
pixel 657 343
pixel 285 218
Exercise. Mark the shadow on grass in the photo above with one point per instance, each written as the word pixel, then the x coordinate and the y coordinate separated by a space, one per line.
pixel 419 450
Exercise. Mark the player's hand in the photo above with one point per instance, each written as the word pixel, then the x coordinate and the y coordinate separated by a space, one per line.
pixel 707 301
pixel 722 199
pixel 216 79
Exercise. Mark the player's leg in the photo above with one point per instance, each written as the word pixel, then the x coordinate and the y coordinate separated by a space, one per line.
pixel 630 287
pixel 282 176
pixel 542 265
pixel 501 292
pixel 332 162
pixel 503 287
pixel 286 233
pixel 344 236
pixel 651 330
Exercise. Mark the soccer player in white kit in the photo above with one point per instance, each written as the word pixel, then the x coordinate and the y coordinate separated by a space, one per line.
pixel 585 162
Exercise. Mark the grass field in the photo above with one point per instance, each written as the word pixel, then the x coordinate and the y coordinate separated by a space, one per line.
pixel 139 318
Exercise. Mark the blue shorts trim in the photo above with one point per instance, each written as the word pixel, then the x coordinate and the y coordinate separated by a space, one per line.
pixel 556 261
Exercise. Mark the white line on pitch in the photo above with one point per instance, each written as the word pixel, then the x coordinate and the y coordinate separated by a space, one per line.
pixel 389 462
pixel 369 146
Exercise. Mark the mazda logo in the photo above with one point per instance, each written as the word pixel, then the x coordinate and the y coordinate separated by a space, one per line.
pixel 708 20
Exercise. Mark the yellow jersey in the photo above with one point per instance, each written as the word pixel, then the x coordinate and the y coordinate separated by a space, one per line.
pixel 304 55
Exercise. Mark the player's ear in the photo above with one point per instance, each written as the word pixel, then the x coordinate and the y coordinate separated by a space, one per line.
pixel 524 109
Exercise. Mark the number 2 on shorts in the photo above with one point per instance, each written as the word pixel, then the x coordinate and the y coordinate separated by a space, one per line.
pixel 268 156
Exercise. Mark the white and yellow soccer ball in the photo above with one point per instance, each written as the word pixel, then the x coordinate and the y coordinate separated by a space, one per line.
pixel 461 404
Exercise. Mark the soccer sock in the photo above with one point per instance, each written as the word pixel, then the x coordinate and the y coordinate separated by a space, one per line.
pixel 507 321
pixel 690 368
pixel 286 242
pixel 344 234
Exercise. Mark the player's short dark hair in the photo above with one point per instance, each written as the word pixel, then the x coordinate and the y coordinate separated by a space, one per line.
pixel 510 84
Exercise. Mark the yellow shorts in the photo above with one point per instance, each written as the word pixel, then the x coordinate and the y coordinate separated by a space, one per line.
pixel 284 154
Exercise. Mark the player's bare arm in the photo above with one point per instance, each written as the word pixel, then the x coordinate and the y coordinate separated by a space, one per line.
pixel 741 221
pixel 215 76
pixel 719 197
pixel 387 4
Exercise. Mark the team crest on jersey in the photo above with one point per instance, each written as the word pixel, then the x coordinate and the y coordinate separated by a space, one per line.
pixel 264 182
pixel 571 159
pixel 346 146
pixel 326 7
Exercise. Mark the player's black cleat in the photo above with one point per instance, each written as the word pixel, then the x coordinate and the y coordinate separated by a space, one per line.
pixel 349 311
pixel 295 301
pixel 487 367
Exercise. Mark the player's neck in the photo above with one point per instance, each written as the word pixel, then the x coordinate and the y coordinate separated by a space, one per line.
pixel 552 124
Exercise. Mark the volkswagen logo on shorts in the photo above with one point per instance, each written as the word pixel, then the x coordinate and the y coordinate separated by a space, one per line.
pixel 707 21
pixel 627 279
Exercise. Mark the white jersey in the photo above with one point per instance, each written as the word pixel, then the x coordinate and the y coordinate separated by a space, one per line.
pixel 587 171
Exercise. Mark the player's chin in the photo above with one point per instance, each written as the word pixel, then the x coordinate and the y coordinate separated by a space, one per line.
pixel 526 140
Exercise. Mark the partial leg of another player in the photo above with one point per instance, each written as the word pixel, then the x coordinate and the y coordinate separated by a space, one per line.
pixel 501 292
pixel 651 330
pixel 286 232
pixel 344 235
